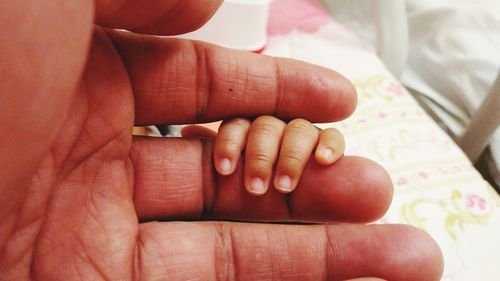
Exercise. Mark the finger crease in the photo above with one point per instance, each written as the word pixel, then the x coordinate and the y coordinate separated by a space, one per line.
pixel 203 81
pixel 234 256
pixel 138 266
pixel 327 254
pixel 132 173
pixel 279 87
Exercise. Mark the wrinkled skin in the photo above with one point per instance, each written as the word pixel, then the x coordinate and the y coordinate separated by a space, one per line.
pixel 80 195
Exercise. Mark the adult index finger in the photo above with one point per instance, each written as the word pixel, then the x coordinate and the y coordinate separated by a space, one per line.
pixel 180 81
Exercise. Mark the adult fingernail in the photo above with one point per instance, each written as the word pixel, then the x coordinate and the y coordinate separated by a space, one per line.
pixel 257 186
pixel 327 153
pixel 284 183
pixel 225 166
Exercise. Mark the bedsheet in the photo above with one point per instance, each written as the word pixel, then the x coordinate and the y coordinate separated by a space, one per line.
pixel 436 187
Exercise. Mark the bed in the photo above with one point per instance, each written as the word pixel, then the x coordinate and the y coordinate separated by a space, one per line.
pixel 436 187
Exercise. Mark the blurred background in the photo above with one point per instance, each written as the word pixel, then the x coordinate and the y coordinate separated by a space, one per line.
pixel 447 54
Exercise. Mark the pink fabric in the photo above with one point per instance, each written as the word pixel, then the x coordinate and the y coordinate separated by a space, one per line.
pixel 304 15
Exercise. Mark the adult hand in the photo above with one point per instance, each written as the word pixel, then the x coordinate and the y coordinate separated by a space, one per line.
pixel 76 189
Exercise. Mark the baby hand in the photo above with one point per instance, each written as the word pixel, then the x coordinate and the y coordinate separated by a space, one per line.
pixel 271 143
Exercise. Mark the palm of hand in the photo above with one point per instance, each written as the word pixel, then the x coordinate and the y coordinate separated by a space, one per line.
pixel 78 218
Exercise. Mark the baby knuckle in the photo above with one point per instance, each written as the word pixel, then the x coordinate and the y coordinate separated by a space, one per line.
pixel 293 156
pixel 302 126
pixel 260 157
pixel 230 145
pixel 265 128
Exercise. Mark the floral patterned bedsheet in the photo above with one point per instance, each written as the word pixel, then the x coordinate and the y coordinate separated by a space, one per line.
pixel 436 187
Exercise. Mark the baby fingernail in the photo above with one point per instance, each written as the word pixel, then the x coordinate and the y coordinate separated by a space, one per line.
pixel 285 183
pixel 327 153
pixel 225 166
pixel 257 186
